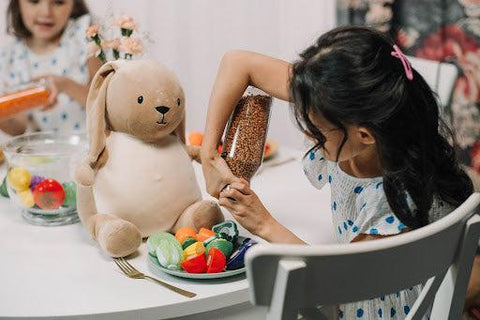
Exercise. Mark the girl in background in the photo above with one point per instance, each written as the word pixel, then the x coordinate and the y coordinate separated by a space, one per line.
pixel 50 43
pixel 377 139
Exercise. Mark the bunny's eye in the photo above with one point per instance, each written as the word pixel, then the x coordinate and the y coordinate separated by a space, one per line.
pixel 178 102
pixel 140 99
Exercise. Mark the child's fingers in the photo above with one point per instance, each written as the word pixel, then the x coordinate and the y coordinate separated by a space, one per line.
pixel 232 193
pixel 227 203
pixel 52 99
pixel 50 104
pixel 242 186
pixel 244 181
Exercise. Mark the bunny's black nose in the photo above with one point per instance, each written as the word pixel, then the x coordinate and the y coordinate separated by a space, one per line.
pixel 162 109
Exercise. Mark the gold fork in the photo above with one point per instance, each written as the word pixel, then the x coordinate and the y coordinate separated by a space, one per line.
pixel 133 273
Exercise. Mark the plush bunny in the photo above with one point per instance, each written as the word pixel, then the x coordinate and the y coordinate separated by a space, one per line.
pixel 138 176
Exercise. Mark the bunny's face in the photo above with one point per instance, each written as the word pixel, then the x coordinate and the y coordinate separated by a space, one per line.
pixel 145 100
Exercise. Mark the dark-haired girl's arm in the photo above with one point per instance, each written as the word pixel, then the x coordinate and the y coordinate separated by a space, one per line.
pixel 237 70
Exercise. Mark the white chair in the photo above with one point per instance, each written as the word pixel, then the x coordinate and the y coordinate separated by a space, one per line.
pixel 440 76
pixel 286 278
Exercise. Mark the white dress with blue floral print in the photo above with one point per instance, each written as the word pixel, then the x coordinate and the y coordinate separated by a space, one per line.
pixel 359 206
pixel 18 64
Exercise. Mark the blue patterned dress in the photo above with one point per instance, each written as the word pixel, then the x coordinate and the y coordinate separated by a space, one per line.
pixel 18 64
pixel 359 206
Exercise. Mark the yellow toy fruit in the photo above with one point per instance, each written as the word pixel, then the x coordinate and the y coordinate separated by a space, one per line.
pixel 19 178
pixel 26 196
pixel 193 250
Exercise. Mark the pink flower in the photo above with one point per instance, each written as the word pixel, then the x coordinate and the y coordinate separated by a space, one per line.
pixel 131 46
pixel 92 31
pixel 126 22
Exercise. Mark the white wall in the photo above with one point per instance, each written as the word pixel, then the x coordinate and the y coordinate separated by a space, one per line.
pixel 192 35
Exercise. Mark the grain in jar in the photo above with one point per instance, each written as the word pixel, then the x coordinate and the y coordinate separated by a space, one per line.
pixel 246 134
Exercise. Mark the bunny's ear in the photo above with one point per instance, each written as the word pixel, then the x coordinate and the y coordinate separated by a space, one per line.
pixel 96 105
pixel 180 130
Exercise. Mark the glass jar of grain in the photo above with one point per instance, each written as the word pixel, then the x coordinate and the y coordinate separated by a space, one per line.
pixel 246 133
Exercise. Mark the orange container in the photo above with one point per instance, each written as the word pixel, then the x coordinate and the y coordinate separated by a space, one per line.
pixel 15 102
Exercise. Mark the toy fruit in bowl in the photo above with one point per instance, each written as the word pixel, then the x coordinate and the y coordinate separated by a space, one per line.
pixel 40 175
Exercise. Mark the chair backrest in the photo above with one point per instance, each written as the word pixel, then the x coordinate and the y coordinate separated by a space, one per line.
pixel 289 277
pixel 440 76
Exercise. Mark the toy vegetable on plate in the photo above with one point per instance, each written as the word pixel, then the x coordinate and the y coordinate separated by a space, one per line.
pixel 190 254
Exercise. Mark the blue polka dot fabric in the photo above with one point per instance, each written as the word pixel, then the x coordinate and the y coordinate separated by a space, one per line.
pixel 18 64
pixel 391 307
pixel 359 206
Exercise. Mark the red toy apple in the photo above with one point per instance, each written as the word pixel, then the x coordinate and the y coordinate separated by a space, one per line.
pixel 216 261
pixel 195 264
pixel 49 194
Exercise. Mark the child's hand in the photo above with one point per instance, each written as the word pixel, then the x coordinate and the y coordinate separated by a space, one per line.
pixel 54 85
pixel 246 207
pixel 216 172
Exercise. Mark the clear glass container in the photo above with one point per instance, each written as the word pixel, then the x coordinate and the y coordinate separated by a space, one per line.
pixel 246 133
pixel 24 97
pixel 40 176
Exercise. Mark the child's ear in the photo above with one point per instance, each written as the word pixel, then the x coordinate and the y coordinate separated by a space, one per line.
pixel 365 135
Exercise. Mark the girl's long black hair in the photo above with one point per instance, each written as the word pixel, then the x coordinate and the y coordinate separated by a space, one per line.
pixel 350 77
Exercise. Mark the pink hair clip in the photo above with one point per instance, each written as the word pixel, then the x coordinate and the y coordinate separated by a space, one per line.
pixel 397 53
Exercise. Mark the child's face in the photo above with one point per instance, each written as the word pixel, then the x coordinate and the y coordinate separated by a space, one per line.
pixel 358 141
pixel 45 19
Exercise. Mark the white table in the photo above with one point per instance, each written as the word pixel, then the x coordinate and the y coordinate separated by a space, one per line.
pixel 59 272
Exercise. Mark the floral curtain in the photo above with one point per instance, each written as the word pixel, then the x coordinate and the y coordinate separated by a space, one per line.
pixel 442 30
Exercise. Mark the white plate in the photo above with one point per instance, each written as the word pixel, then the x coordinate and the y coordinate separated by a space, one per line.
pixel 183 274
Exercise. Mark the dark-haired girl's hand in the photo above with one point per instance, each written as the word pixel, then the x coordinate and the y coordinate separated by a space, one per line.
pixel 54 85
pixel 245 206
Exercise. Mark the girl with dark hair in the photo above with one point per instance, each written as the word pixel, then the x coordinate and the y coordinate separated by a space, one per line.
pixel 376 138
pixel 49 43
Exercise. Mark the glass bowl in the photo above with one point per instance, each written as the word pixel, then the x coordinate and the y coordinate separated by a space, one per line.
pixel 40 176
